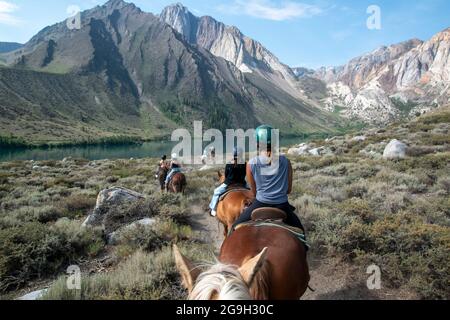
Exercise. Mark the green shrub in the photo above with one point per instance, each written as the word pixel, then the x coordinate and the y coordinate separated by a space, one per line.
pixel 356 207
pixel 82 241
pixel 409 251
pixel 151 238
pixel 357 190
pixel 47 214
pixel 129 212
pixel 34 251
pixel 78 205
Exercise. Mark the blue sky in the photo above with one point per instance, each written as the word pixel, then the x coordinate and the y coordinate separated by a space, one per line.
pixel 309 33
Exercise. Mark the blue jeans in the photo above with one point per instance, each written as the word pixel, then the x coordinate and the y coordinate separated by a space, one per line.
pixel 171 173
pixel 217 193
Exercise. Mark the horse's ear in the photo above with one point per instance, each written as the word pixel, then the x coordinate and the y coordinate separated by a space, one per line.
pixel 250 269
pixel 186 269
pixel 219 174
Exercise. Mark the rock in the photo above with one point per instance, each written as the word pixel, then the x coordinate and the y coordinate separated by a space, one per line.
pixel 395 150
pixel 110 197
pixel 359 138
pixel 114 237
pixel 36 167
pixel 226 42
pixel 301 150
pixel 35 295
pixel 65 160
pixel 316 151
pixel 293 151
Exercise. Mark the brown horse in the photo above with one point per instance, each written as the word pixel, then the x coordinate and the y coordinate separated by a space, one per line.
pixel 162 174
pixel 177 184
pixel 231 207
pixel 260 263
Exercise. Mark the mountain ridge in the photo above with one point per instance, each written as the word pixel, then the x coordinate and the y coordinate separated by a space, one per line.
pixel 391 82
pixel 136 55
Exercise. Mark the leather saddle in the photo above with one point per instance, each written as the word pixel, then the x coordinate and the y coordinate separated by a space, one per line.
pixel 268 214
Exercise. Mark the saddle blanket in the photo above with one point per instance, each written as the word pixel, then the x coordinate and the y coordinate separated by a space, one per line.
pixel 296 232
pixel 231 190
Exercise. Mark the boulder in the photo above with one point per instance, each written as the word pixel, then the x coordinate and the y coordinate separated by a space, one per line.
pixel 35 295
pixel 316 151
pixel 114 237
pixel 359 139
pixel 301 150
pixel 395 150
pixel 114 196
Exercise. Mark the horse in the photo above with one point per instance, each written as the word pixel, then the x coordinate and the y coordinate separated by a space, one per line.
pixel 234 203
pixel 162 174
pixel 177 184
pixel 255 263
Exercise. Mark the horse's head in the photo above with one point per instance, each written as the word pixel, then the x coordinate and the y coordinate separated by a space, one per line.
pixel 221 177
pixel 220 281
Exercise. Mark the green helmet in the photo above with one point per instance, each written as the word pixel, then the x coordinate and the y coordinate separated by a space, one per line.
pixel 264 134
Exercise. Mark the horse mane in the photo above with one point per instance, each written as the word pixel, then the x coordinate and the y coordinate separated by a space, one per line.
pixel 221 281
pixel 224 282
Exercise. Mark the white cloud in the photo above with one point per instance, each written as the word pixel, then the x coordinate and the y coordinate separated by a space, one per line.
pixel 268 9
pixel 6 13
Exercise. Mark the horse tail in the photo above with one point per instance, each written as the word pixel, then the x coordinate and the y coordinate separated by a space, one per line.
pixel 180 184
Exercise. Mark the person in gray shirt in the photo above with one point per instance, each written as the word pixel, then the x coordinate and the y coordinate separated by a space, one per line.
pixel 270 190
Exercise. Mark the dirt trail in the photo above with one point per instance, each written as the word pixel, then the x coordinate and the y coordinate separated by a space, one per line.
pixel 208 227
pixel 331 279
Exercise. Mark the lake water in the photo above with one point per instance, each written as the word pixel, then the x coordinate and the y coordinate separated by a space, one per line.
pixel 99 152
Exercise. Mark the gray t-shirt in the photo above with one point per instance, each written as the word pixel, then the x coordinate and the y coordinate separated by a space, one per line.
pixel 272 184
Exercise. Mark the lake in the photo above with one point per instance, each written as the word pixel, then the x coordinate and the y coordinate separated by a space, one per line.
pixel 100 152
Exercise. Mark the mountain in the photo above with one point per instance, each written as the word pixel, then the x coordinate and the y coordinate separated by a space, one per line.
pixel 126 72
pixel 300 72
pixel 9 46
pixel 391 82
pixel 227 42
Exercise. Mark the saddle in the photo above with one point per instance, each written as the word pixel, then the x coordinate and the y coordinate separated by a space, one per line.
pixel 273 217
pixel 231 189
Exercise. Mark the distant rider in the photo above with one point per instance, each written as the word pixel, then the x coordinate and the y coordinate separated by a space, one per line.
pixel 175 167
pixel 163 165
pixel 235 173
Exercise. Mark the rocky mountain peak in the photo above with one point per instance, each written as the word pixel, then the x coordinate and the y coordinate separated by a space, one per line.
pixel 116 4
pixel 228 42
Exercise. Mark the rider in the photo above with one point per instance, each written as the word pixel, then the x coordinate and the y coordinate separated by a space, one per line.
pixel 175 167
pixel 234 175
pixel 162 165
pixel 271 189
